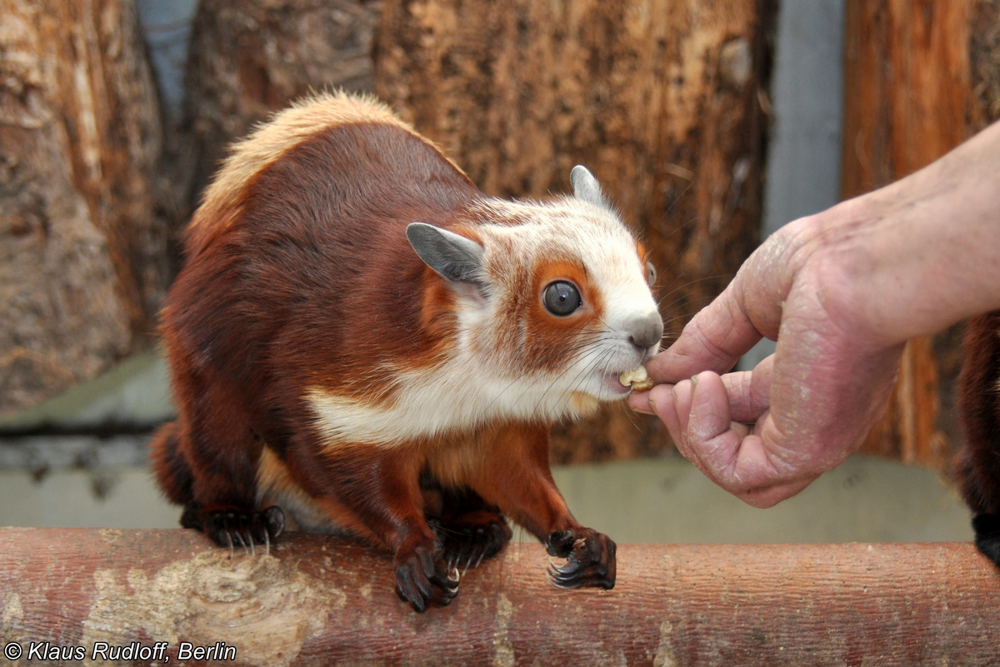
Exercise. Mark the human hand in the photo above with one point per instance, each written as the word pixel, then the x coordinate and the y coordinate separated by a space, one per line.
pixel 841 292
pixel 765 434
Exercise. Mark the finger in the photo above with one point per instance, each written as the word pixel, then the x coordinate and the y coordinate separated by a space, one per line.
pixel 714 339
pixel 750 391
pixel 672 404
pixel 769 496
pixel 639 401
pixel 707 428
pixel 662 401
pixel 750 307
pixel 696 413
pixel 729 453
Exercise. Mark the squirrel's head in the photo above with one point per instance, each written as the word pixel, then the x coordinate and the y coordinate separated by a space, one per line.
pixel 553 300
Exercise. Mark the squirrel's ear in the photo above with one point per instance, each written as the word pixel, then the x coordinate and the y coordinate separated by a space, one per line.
pixel 454 257
pixel 585 186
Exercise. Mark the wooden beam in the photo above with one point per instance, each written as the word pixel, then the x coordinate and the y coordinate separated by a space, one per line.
pixel 320 600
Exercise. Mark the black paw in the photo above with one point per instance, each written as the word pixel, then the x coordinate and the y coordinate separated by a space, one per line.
pixel 987 529
pixel 590 559
pixel 472 538
pixel 423 580
pixel 231 527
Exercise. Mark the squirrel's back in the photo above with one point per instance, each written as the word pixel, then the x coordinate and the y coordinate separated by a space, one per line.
pixel 298 258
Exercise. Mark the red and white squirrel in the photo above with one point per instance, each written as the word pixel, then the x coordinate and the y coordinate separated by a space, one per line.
pixel 363 339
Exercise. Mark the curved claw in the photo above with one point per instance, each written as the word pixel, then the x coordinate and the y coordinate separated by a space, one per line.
pixel 560 582
pixel 470 539
pixel 422 580
pixel 273 521
pixel 230 526
pixel 235 536
pixel 590 559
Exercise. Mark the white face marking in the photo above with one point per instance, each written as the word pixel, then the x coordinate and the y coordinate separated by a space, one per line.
pixel 595 238
pixel 485 380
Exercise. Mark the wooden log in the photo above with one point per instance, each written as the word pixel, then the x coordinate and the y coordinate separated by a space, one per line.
pixel 83 262
pixel 320 600
pixel 984 56
pixel 249 59
pixel 911 96
pixel 664 100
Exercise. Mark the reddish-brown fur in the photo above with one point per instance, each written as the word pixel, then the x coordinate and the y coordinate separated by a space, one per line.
pixel 236 319
pixel 307 281
pixel 977 465
pixel 977 462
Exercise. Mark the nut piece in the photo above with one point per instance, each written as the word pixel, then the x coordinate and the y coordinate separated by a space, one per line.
pixel 638 378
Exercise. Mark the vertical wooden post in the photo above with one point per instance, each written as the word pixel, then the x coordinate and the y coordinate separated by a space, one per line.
pixel 251 58
pixel 83 262
pixel 908 101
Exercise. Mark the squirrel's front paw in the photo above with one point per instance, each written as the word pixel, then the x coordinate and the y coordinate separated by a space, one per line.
pixel 421 579
pixel 590 559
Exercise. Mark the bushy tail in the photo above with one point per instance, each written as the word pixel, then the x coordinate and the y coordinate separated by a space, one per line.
pixel 977 463
pixel 171 469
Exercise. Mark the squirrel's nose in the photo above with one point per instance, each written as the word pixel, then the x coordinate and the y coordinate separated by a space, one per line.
pixel 646 331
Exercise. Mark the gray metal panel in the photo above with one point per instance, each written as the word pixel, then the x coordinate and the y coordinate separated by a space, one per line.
pixel 807 95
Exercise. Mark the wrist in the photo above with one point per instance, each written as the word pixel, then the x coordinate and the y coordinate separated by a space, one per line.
pixel 914 257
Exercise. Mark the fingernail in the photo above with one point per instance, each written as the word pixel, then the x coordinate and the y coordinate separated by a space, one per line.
pixel 642 403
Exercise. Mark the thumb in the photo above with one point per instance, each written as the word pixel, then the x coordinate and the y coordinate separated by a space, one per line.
pixel 749 308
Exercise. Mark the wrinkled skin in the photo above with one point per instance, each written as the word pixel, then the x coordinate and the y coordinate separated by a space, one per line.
pixel 841 292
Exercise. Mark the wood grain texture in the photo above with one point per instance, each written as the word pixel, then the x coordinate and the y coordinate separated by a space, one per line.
pixel 83 262
pixel 321 600
pixel 251 59
pixel 909 100
pixel 984 56
pixel 665 101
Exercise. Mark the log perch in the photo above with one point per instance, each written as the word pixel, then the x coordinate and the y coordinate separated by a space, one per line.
pixel 320 600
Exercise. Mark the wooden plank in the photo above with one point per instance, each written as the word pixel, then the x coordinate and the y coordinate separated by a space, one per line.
pixel 320 600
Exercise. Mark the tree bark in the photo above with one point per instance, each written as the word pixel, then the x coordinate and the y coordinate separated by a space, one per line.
pixel 984 56
pixel 321 600
pixel 249 59
pixel 83 262
pixel 664 100
pixel 920 78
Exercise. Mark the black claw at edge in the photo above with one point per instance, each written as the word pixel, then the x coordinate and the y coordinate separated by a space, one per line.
pixel 229 527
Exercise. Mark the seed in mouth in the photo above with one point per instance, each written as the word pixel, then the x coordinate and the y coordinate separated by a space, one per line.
pixel 638 379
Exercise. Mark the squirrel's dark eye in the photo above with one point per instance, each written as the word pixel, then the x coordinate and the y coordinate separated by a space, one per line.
pixel 562 298
pixel 650 273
